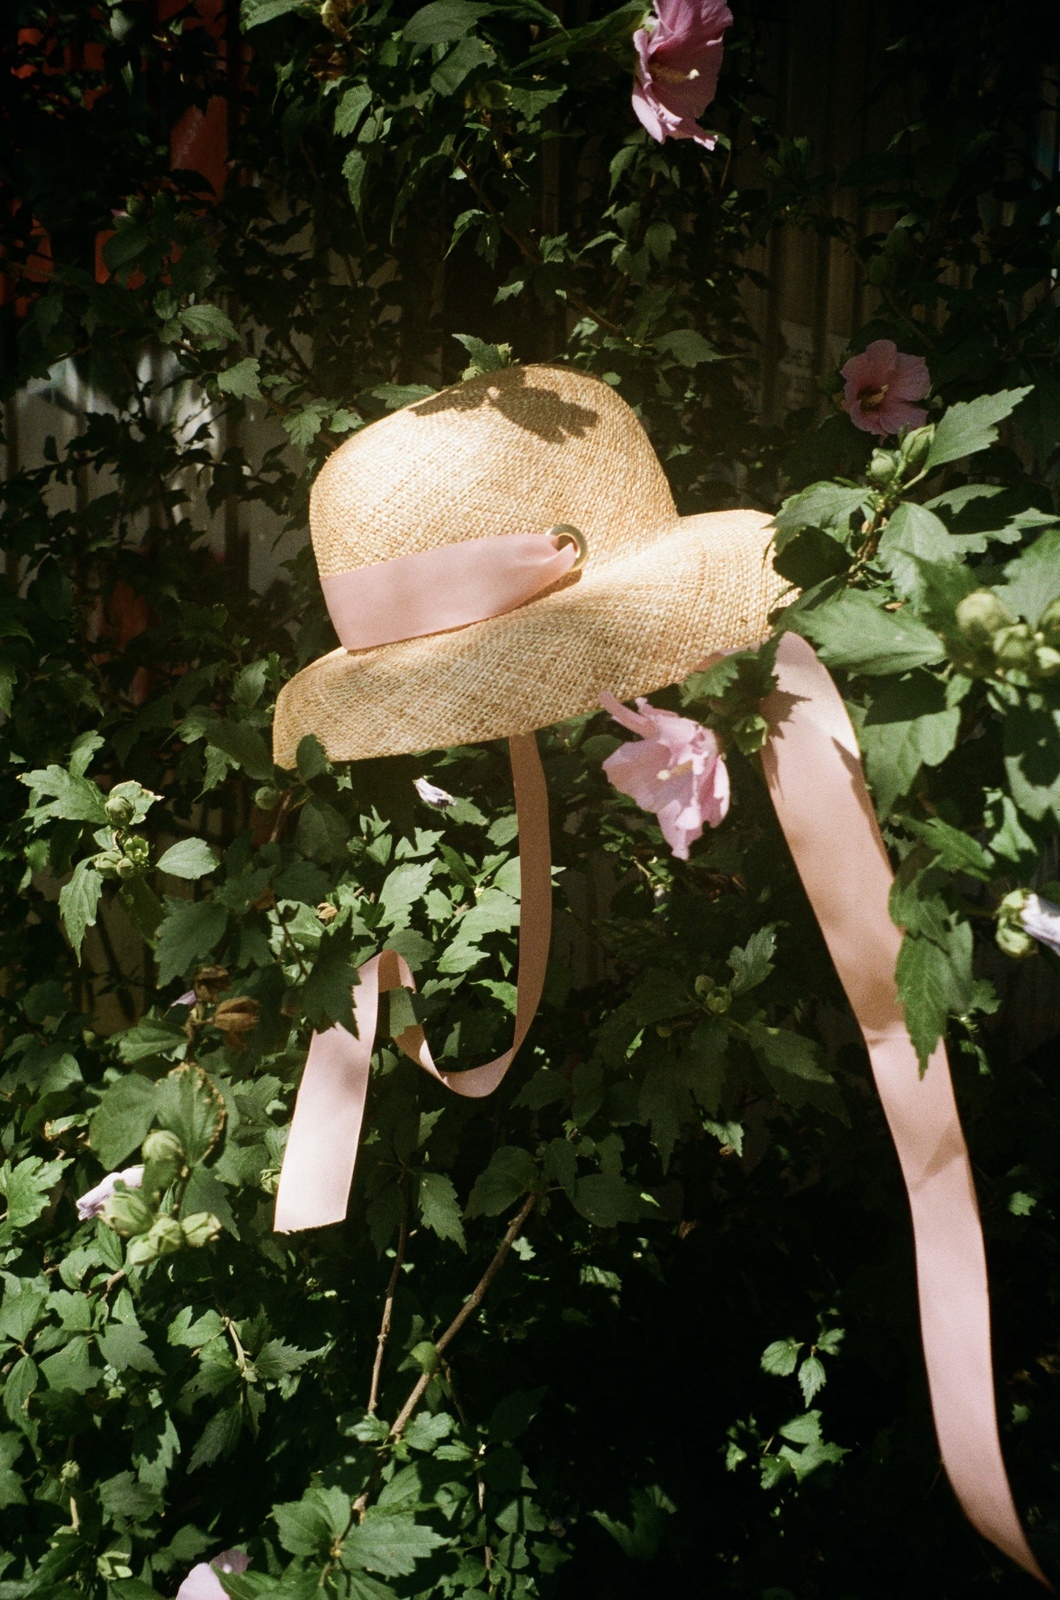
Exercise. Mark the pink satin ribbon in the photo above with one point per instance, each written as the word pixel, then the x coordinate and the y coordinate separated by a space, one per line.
pixel 321 1148
pixel 817 784
pixel 815 777
pixel 448 587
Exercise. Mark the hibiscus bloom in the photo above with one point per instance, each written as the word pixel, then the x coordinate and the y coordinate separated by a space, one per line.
pixel 678 61
pixel 879 385
pixel 674 769
pixel 202 1582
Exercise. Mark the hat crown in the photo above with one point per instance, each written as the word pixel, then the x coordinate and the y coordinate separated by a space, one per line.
pixel 511 452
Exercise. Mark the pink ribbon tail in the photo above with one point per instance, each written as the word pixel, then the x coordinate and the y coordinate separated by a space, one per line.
pixel 815 778
pixel 321 1151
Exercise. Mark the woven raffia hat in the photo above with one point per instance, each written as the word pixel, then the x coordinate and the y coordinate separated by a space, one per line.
pixel 516 452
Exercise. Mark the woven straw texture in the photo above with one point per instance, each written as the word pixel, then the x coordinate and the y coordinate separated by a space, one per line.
pixel 519 451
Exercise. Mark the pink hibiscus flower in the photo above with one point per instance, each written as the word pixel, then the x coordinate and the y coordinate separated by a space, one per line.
pixel 675 769
pixel 678 61
pixel 92 1203
pixel 202 1582
pixel 879 385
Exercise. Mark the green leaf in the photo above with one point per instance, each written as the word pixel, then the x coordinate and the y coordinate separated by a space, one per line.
pixel 443 21
pixel 826 506
pixel 208 325
pixel 79 903
pixel 189 933
pixel 852 632
pixel 1034 578
pixel 388 1544
pixel 1032 758
pixel 189 1105
pixel 71 1368
pixel 191 858
pixel 59 795
pixel 933 982
pixel 404 887
pixel 241 380
pixel 219 1437
pixel 27 1186
pixel 606 1199
pixel 351 109
pixel 152 1038
pixel 953 850
pixel 439 1208
pixel 792 1064
pixel 687 346
pixel 20 1312
pixel 311 758
pixel 10 1481
pixel 461 61
pixel 426 1432
pixel 908 725
pixel 510 1174
pixel 322 832
pixel 122 1120
pixel 781 1356
pixel 124 1345
pixel 395 396
pixel 244 745
pixel 640 1541
pixel 970 426
pixel 308 1526
pixel 254 12
pixel 913 535
pixel 752 964
pixel 812 1378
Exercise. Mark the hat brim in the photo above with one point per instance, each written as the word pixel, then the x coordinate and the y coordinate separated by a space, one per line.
pixel 627 627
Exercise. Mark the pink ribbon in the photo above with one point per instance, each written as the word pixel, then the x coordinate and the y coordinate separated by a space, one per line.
pixel 322 1145
pixel 447 587
pixel 815 778
pixel 816 781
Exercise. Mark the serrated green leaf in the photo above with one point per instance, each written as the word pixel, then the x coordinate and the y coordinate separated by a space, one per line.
pixel 606 1199
pixel 852 632
pixel 390 1545
pixel 970 426
pixel 753 962
pixel 934 981
pixel 1033 579
pixel 123 1345
pixel 439 1208
pixel 188 1104
pixel 241 380
pixel 122 1120
pixel 190 932
pixel 443 21
pixel 27 1187
pixel 209 325
pixel 781 1357
pixel 908 725
pixel 190 858
pixel 79 903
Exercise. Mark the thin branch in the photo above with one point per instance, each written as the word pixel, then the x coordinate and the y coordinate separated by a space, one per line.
pixel 388 1303
pixel 467 1310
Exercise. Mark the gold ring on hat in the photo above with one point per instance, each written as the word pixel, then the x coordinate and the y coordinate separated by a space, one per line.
pixel 565 532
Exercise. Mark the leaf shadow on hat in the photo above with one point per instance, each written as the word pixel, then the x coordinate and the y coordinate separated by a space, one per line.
pixel 539 410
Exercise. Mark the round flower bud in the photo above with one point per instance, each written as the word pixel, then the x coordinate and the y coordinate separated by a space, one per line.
pixel 915 445
pixel 108 862
pixel 1014 648
pixel 266 798
pixel 200 1228
pixel 884 467
pixel 980 615
pixel 161 1145
pixel 138 849
pixel 718 1001
pixel 127 868
pixel 120 810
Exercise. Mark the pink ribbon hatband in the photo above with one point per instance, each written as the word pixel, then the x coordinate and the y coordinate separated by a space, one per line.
pixel 817 784
pixel 321 1149
pixel 447 587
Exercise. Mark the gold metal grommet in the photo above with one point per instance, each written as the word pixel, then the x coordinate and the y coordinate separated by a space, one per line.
pixel 568 534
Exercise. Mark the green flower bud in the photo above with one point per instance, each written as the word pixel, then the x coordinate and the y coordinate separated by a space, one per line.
pixel 1049 624
pixel 138 850
pixel 127 868
pixel 266 798
pixel 164 1238
pixel 128 1213
pixel 164 1160
pixel 1014 941
pixel 718 1002
pixel 884 467
pixel 981 615
pixel 108 862
pixel 120 810
pixel 915 445
pixel 704 984
pixel 1014 648
pixel 202 1227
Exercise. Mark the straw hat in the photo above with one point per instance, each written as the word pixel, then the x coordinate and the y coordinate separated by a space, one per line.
pixel 514 452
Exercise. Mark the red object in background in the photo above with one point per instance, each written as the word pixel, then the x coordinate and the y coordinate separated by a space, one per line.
pixel 198 142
